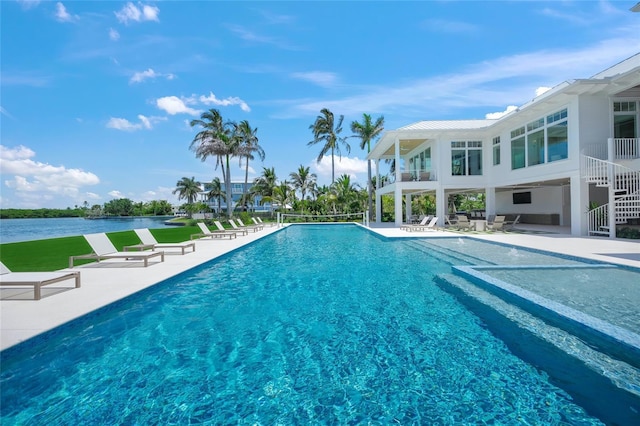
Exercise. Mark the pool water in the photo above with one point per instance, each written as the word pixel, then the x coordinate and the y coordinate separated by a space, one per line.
pixel 314 324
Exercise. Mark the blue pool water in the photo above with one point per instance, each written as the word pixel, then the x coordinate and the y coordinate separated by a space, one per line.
pixel 314 324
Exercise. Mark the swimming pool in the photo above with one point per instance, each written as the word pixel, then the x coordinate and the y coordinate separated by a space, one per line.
pixel 313 324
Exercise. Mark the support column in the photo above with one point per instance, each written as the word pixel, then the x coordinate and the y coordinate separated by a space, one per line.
pixel 579 201
pixel 490 201
pixel 441 206
pixel 377 194
pixel 408 208
pixel 397 199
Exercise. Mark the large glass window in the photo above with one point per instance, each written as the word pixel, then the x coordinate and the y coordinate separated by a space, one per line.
pixel 517 153
pixel 543 140
pixel 535 148
pixel 557 142
pixel 496 150
pixel 466 158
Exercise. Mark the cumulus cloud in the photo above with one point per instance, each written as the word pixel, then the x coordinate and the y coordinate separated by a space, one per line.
pixel 132 13
pixel 320 78
pixel 174 105
pixel 127 126
pixel 31 179
pixel 232 100
pixel 542 90
pixel 500 114
pixel 354 167
pixel 114 34
pixel 116 194
pixel 139 77
pixel 62 15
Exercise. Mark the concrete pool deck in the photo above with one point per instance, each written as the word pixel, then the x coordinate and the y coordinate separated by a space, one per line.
pixel 103 283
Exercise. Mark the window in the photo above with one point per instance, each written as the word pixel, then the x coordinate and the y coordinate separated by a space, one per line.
pixel 466 158
pixel 624 119
pixel 496 150
pixel 541 141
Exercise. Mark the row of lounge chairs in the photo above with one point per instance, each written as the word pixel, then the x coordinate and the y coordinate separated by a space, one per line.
pixel 428 223
pixel 102 249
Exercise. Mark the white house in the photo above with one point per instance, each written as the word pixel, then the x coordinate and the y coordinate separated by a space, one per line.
pixel 551 161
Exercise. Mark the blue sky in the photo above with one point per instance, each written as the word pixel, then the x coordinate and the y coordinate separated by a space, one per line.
pixel 96 96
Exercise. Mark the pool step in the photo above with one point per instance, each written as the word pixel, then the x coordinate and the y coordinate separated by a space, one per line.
pixel 447 255
pixel 608 388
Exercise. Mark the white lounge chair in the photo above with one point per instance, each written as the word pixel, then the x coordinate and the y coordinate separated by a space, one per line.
pixel 408 226
pixel 497 224
pixel 510 224
pixel 431 226
pixel 220 233
pixel 257 226
pixel 463 223
pixel 258 220
pixel 147 239
pixel 242 229
pixel 103 248
pixel 35 279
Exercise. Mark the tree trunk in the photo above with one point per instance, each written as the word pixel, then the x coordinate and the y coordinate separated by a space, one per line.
pixel 227 179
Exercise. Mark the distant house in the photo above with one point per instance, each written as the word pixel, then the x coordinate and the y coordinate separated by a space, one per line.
pixel 552 161
pixel 237 189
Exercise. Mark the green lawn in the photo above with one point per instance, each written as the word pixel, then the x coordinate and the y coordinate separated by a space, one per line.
pixel 53 254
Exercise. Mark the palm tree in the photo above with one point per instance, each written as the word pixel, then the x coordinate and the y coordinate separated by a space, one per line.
pixel 345 192
pixel 265 184
pixel 215 191
pixel 367 132
pixel 326 131
pixel 216 139
pixel 247 147
pixel 188 189
pixel 303 180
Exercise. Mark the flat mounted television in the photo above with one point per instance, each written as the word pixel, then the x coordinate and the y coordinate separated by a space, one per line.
pixel 522 197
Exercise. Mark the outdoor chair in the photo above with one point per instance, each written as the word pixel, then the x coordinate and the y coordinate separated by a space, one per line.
pixel 252 225
pixel 237 228
pixel 258 220
pixel 35 279
pixel 497 224
pixel 220 233
pixel 148 240
pixel 431 226
pixel 510 224
pixel 463 223
pixel 104 249
pixel 407 226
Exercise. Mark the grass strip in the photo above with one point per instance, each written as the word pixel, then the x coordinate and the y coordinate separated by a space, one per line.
pixel 53 253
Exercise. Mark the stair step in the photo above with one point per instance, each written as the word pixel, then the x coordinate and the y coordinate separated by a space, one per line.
pixel 555 350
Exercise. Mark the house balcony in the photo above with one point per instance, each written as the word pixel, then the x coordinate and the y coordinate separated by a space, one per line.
pixel 410 181
pixel 616 149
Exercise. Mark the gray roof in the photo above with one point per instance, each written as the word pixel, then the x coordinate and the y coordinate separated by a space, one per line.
pixel 448 125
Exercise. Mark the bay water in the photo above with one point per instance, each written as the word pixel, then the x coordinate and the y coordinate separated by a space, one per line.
pixel 15 230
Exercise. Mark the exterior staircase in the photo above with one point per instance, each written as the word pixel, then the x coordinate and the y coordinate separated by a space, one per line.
pixel 624 194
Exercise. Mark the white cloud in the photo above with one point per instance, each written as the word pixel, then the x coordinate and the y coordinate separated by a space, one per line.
pixel 320 78
pixel 132 13
pixel 116 194
pixel 174 105
pixel 127 126
pixel 542 90
pixel 345 165
pixel 497 115
pixel 5 112
pixel 62 15
pixel 32 179
pixel 232 100
pixel 114 34
pixel 28 4
pixel 500 81
pixel 139 77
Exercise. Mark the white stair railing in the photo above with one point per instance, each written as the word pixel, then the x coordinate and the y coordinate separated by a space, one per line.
pixel 625 189
pixel 626 148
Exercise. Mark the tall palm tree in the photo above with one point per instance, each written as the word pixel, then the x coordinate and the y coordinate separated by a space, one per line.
pixel 188 189
pixel 265 184
pixel 215 191
pixel 368 131
pixel 303 180
pixel 326 130
pixel 247 146
pixel 216 139
pixel 345 192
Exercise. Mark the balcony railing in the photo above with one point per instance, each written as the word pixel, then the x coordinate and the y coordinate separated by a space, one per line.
pixel 626 148
pixel 409 176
